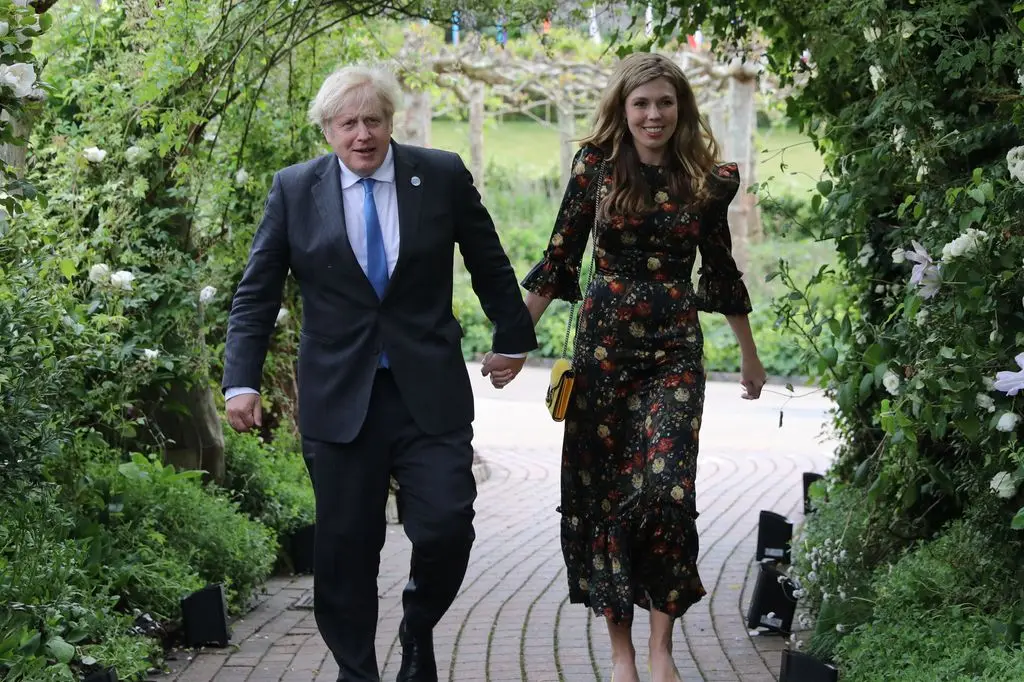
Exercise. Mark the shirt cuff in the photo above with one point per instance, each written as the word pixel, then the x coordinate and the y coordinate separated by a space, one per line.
pixel 238 390
pixel 512 355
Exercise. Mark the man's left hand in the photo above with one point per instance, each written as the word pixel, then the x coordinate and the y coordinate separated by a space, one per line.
pixel 501 369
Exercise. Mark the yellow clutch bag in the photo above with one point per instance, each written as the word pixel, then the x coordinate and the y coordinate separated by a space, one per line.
pixel 560 388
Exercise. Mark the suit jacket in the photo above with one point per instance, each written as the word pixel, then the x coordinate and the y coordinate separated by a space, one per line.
pixel 344 325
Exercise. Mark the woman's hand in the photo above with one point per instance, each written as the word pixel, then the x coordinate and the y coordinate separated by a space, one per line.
pixel 752 377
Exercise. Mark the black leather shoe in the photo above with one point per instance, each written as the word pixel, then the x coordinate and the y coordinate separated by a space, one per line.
pixel 418 663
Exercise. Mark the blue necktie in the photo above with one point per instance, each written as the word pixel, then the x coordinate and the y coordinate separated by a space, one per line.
pixel 376 257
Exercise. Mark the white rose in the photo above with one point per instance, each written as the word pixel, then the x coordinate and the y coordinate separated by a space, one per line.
pixel 1015 163
pixel 1002 485
pixel 94 154
pixel 282 316
pixel 241 177
pixel 207 294
pixel 99 273
pixel 877 76
pixel 122 279
pixel 18 77
pixel 150 354
pixel 865 254
pixel 134 153
pixel 891 381
pixel 1007 422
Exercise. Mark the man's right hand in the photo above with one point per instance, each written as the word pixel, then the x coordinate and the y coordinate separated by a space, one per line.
pixel 244 412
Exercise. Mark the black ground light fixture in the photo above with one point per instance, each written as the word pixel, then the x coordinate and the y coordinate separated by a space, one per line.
pixel 300 549
pixel 204 616
pixel 801 667
pixel 774 534
pixel 773 604
pixel 809 478
pixel 105 675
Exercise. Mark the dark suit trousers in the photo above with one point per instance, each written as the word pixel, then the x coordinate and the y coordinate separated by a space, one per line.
pixel 351 480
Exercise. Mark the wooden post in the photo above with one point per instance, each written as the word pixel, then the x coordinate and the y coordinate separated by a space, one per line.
pixel 476 133
pixel 566 135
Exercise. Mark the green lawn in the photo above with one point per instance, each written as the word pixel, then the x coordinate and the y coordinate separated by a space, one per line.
pixel 789 164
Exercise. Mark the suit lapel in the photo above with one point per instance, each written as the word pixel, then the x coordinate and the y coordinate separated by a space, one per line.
pixel 327 197
pixel 409 188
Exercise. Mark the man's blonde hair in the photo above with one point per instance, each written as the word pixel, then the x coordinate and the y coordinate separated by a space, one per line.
pixel 364 87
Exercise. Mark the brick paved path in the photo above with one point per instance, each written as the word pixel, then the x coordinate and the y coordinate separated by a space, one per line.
pixel 512 619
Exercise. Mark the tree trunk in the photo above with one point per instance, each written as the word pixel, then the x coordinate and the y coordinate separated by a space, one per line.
pixel 476 133
pixel 198 437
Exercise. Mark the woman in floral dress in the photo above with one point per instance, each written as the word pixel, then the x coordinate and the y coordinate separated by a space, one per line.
pixel 629 456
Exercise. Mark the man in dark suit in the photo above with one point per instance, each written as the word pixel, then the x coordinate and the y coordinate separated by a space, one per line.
pixel 369 232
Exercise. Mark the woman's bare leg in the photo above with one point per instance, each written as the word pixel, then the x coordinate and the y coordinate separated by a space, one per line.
pixel 663 668
pixel 623 652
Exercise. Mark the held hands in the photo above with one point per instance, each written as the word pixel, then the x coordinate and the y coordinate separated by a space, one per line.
pixel 752 377
pixel 244 412
pixel 501 369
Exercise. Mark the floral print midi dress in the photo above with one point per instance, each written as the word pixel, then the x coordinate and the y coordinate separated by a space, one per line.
pixel 629 454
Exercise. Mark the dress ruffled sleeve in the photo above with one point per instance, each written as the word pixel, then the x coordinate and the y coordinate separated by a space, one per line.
pixel 720 288
pixel 557 275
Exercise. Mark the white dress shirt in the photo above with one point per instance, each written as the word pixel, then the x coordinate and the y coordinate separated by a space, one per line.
pixel 352 197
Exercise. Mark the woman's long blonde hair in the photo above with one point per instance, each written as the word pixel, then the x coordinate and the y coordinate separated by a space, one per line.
pixel 692 149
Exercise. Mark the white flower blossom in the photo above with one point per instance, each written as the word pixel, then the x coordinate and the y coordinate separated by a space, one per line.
pixel 241 177
pixel 99 273
pixel 879 288
pixel 899 133
pixel 150 354
pixel 94 154
pixel 922 171
pixel 921 317
pixel 840 628
pixel 965 244
pixel 985 402
pixel 1003 486
pixel 1011 383
pixel 122 279
pixel 871 34
pixel 865 254
pixel 18 77
pixel 135 153
pixel 925 273
pixel 995 336
pixel 4 28
pixel 1007 422
pixel 877 77
pixel 1015 163
pixel 282 316
pixel 891 381
pixel 898 256
pixel 207 294
pixel 1020 79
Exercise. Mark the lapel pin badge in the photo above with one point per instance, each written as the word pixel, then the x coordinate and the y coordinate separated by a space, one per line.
pixel 415 180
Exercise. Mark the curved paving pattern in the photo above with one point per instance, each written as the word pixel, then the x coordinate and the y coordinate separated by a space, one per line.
pixel 512 620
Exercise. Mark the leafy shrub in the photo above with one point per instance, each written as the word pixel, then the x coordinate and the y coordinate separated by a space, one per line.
pixel 201 524
pixel 269 481
pixel 948 609
pixel 57 617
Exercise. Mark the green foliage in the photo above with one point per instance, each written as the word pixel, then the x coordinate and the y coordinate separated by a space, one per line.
pixel 270 480
pixel 202 525
pixel 949 609
pixel 57 617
